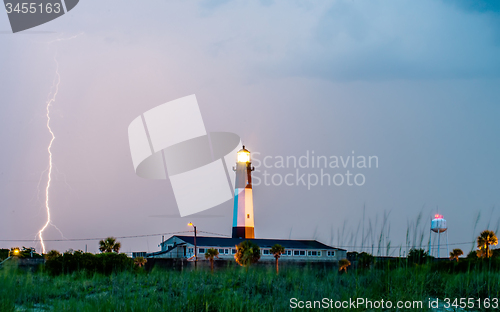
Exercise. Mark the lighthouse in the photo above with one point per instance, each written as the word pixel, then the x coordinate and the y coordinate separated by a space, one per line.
pixel 243 222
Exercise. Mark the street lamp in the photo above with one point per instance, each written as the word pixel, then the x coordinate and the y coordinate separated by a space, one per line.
pixel 14 252
pixel 195 253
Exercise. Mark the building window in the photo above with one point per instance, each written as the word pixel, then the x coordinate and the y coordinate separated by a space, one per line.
pixel 288 252
pixel 312 253
pixel 190 250
pixel 201 250
pixel 233 251
pixel 319 253
pixel 139 254
pixel 330 253
pixel 226 251
pixel 265 251
pixel 221 250
pixel 299 252
pixel 302 252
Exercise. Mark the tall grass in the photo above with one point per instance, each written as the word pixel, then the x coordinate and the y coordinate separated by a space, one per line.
pixel 372 234
pixel 233 289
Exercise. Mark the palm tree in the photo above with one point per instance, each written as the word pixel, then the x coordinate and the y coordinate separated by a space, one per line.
pixel 343 264
pixel 140 261
pixel 277 250
pixel 210 254
pixel 247 253
pixel 484 240
pixel 109 244
pixel 456 253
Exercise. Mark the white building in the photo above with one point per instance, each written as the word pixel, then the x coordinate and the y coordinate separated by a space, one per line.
pixel 295 250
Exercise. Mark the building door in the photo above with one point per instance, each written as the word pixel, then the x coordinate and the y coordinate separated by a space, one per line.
pixel 184 251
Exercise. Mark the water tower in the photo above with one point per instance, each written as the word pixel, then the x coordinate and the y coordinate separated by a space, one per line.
pixel 438 225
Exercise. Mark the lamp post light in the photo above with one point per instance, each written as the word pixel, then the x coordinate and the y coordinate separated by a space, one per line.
pixel 195 253
pixel 15 252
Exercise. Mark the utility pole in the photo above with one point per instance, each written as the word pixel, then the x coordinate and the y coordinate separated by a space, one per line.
pixel 195 251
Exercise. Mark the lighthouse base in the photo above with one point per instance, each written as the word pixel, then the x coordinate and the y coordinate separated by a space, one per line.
pixel 243 232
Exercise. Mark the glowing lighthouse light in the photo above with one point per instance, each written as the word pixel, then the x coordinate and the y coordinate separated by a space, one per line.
pixel 243 221
pixel 243 155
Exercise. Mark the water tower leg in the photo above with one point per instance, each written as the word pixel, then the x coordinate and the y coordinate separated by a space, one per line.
pixel 447 246
pixel 430 236
pixel 439 242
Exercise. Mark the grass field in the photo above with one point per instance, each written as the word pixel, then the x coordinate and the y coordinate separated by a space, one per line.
pixel 234 289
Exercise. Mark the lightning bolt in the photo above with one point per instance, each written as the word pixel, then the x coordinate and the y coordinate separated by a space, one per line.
pixel 50 101
pixel 53 137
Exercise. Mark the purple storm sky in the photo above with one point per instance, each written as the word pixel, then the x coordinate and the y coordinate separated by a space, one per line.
pixel 414 83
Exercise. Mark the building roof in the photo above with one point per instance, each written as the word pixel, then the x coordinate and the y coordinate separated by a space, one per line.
pixel 263 243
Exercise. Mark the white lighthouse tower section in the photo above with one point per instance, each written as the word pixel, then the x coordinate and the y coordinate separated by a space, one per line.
pixel 243 217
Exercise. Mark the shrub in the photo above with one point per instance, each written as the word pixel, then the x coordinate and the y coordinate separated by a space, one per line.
pixel 4 254
pixel 105 263
pixel 417 256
